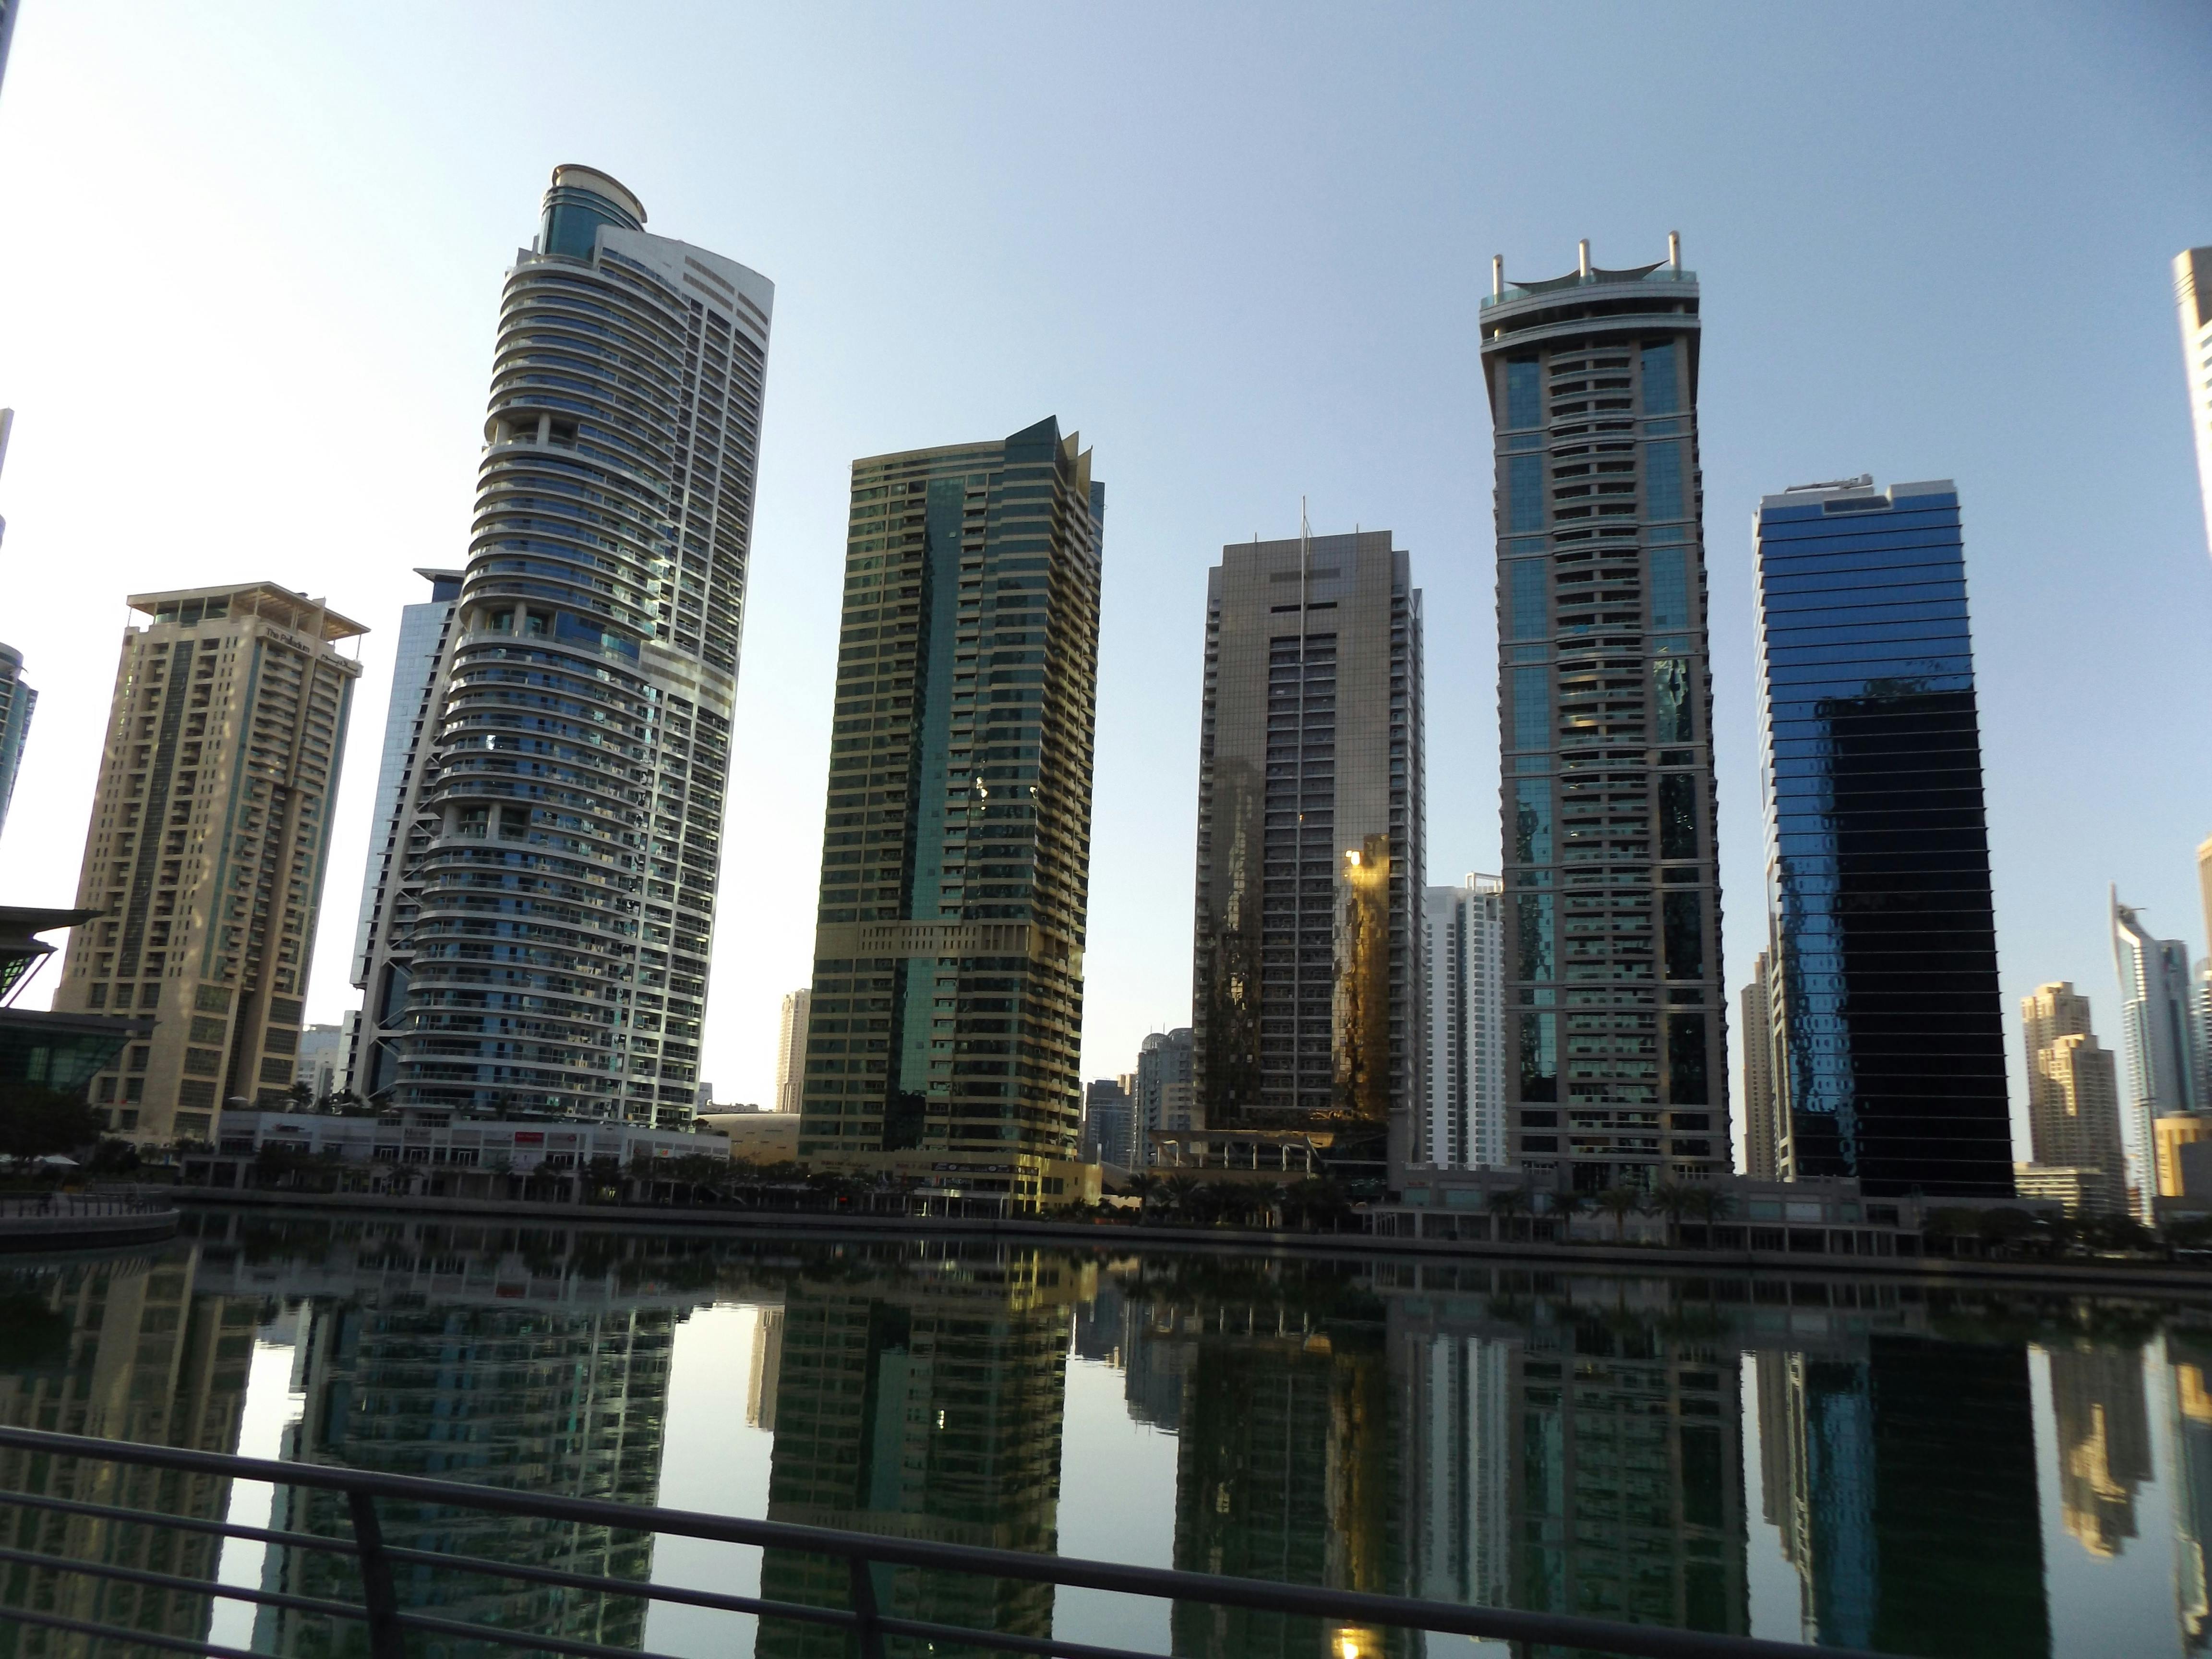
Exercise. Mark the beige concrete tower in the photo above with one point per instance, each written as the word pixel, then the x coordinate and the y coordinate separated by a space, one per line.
pixel 209 839
pixel 1765 1138
pixel 791 1049
pixel 2072 1096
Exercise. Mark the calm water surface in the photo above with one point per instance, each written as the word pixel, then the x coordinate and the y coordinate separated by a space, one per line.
pixel 1953 1473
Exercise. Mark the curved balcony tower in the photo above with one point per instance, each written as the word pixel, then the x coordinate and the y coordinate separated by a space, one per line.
pixel 565 837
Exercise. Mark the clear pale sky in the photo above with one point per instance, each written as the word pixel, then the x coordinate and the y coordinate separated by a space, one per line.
pixel 253 254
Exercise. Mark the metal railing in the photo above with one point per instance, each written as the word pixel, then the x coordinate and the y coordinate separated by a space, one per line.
pixel 388 1624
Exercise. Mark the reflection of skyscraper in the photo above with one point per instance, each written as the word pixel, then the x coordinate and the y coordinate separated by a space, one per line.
pixel 1628 1477
pixel 767 1368
pixel 566 1396
pixel 924 1405
pixel 2190 1356
pixel 1286 1468
pixel 121 1350
pixel 1457 1426
pixel 2104 1441
pixel 1307 1005
pixel 1904 1482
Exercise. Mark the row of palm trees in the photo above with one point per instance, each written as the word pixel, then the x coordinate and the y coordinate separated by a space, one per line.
pixel 1515 1208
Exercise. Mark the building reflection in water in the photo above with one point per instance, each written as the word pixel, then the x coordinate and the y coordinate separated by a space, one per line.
pixel 921 1399
pixel 533 1363
pixel 2190 1355
pixel 2104 1440
pixel 123 1349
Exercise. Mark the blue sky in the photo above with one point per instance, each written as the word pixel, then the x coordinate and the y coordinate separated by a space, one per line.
pixel 254 252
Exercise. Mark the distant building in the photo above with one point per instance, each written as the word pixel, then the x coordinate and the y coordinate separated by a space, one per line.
pixel 321 1063
pixel 1763 1134
pixel 756 1137
pixel 2157 1027
pixel 18 701
pixel 1889 1050
pixel 401 835
pixel 1308 1008
pixel 945 1032
pixel 209 840
pixel 1463 936
pixel 1107 1122
pixel 791 1050
pixel 2192 292
pixel 2073 1097
pixel 1166 1069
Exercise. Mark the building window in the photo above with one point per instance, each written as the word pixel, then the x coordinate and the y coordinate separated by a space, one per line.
pixel 1524 488
pixel 1686 1061
pixel 1531 821
pixel 1527 603
pixel 1539 1056
pixel 1678 816
pixel 1535 936
pixel 1524 392
pixel 1532 709
pixel 1670 587
pixel 1663 479
pixel 1685 936
pixel 1660 396
pixel 1670 700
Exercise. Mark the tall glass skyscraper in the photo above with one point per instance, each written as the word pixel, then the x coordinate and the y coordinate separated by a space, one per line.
pixel 1612 964
pixel 1889 1036
pixel 2157 1036
pixel 947 1005
pixel 1307 1001
pixel 573 795
pixel 383 956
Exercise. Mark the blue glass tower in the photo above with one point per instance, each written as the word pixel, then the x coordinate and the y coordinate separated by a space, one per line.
pixel 1878 863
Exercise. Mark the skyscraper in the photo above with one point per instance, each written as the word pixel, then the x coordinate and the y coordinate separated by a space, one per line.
pixel 17 702
pixel 1613 901
pixel 564 902
pixel 791 1049
pixel 1109 1124
pixel 2156 1035
pixel 17 699
pixel 1307 1009
pixel 1166 1094
pixel 383 948
pixel 1889 1033
pixel 209 842
pixel 1764 1137
pixel 2192 293
pixel 1463 939
pixel 2073 1101
pixel 948 976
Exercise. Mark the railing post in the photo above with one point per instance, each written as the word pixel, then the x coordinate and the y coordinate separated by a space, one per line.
pixel 385 1639
pixel 866 1614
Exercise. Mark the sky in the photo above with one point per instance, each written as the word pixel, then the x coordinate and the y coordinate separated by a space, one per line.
pixel 254 252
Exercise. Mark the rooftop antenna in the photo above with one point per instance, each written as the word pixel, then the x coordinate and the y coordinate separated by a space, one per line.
pixel 1674 249
pixel 1585 259
pixel 1496 275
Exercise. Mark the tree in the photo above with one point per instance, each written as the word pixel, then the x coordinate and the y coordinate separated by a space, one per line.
pixel 1674 1201
pixel 1507 1205
pixel 1620 1203
pixel 35 1120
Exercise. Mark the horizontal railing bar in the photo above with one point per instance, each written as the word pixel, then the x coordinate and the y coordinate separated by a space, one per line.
pixel 180 1522
pixel 1003 1642
pixel 117 1633
pixel 1506 1624
pixel 498 1637
pixel 693 1598
pixel 170 1580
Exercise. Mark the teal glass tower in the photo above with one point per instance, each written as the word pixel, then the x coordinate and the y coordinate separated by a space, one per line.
pixel 1614 1073
pixel 947 1003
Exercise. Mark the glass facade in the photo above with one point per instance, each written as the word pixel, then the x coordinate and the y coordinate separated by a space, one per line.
pixel 548 950
pixel 1890 1040
pixel 1614 1007
pixel 1308 963
pixel 947 1005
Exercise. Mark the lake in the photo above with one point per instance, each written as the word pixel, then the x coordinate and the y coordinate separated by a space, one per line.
pixel 1960 1471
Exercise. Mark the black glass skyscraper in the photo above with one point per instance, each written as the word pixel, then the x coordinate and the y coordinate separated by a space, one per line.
pixel 1891 1037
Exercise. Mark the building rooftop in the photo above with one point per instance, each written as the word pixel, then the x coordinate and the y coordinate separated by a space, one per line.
pixel 1861 488
pixel 267 600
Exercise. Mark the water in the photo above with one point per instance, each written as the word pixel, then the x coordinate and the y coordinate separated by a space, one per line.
pixel 1956 1473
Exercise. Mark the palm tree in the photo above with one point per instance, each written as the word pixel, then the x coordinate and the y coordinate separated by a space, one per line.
pixel 1507 1205
pixel 1620 1203
pixel 1566 1207
pixel 1674 1203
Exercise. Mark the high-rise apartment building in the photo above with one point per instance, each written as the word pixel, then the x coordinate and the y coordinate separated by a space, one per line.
pixel 1308 1005
pixel 1463 940
pixel 1109 1123
pixel 383 947
pixel 791 1050
pixel 1763 1135
pixel 1165 1099
pixel 2192 293
pixel 17 702
pixel 2073 1097
pixel 209 842
pixel 2157 1030
pixel 1889 1035
pixel 948 976
pixel 573 782
pixel 1612 964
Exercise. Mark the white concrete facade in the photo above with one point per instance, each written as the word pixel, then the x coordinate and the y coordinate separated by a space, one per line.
pixel 1463 938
